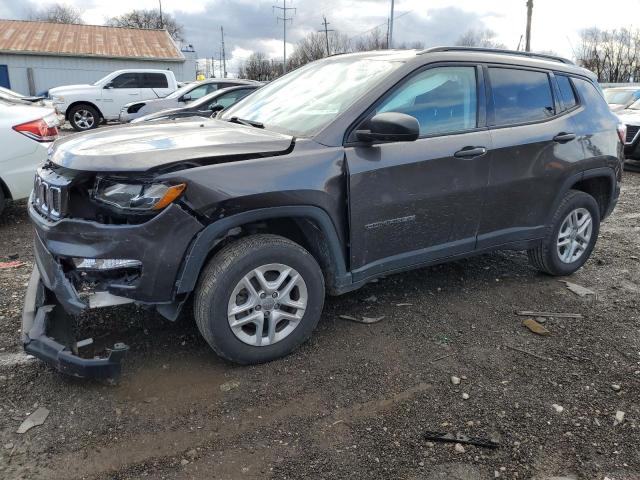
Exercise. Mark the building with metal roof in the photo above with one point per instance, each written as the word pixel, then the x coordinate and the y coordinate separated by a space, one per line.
pixel 36 56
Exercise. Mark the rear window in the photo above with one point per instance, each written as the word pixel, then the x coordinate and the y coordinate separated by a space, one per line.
pixel 520 96
pixel 567 95
pixel 154 80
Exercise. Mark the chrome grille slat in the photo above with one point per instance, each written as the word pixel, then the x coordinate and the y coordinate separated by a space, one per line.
pixel 50 194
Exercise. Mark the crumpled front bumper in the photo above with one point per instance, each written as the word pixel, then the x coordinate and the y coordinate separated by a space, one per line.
pixel 38 316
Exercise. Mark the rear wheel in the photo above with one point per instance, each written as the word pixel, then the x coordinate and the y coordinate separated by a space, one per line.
pixel 258 299
pixel 570 237
pixel 84 117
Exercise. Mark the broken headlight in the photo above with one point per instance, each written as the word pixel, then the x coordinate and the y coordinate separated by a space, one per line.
pixel 136 196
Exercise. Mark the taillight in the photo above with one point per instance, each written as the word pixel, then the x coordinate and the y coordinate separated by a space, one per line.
pixel 622 132
pixel 40 130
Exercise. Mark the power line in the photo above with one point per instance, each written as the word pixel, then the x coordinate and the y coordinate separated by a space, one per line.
pixel 385 24
pixel 326 32
pixel 285 18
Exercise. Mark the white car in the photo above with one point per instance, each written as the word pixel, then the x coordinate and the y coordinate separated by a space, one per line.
pixel 86 106
pixel 183 96
pixel 26 132
pixel 619 98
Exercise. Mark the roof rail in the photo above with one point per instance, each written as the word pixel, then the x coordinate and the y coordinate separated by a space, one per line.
pixel 498 51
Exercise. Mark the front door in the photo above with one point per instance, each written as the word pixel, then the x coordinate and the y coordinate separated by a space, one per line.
pixel 121 90
pixel 415 202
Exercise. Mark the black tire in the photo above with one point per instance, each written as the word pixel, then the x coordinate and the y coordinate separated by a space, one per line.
pixel 545 257
pixel 91 114
pixel 225 270
pixel 3 202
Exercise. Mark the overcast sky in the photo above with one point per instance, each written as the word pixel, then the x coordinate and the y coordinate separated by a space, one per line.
pixel 251 25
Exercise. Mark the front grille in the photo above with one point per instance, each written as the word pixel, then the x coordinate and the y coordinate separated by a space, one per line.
pixel 50 194
pixel 632 131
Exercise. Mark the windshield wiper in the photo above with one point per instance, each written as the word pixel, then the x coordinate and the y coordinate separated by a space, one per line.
pixel 248 123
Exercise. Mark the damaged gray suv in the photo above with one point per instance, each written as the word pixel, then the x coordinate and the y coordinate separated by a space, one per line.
pixel 346 169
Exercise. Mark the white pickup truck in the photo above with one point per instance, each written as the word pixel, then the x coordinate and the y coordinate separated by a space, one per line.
pixel 86 106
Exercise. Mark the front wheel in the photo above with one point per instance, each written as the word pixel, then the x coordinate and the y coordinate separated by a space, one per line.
pixel 84 117
pixel 258 299
pixel 571 236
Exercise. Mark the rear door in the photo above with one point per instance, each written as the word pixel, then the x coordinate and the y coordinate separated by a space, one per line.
pixel 413 202
pixel 121 90
pixel 534 147
pixel 154 85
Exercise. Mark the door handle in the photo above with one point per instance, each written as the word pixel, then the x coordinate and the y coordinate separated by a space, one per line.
pixel 563 137
pixel 470 152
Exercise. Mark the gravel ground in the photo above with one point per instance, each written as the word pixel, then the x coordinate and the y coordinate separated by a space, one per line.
pixel 356 400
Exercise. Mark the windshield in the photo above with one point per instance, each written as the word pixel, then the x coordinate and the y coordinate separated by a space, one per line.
pixel 101 80
pixel 619 97
pixel 181 91
pixel 306 100
pixel 635 105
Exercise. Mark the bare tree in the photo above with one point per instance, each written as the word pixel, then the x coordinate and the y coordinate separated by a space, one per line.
pixel 314 47
pixel 258 67
pixel 57 13
pixel 376 39
pixel 482 37
pixel 149 19
pixel 613 55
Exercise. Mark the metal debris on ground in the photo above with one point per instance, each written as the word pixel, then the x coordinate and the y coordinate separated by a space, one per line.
pixel 528 313
pixel 535 327
pixel 12 264
pixel 36 418
pixel 365 320
pixel 461 439
pixel 578 289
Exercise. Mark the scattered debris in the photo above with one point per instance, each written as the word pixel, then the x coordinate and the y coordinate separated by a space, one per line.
pixel 542 320
pixel 442 357
pixel 528 313
pixel 184 462
pixel 465 396
pixel 535 355
pixel 616 388
pixel 535 327
pixel 404 304
pixel 228 386
pixel 12 264
pixel 365 320
pixel 578 289
pixel 460 439
pixel 36 418
pixel 455 380
pixel 619 418
pixel 459 448
pixel 558 408
pixel 8 446
pixel 371 299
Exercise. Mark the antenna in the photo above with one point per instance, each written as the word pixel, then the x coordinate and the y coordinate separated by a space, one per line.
pixel 285 18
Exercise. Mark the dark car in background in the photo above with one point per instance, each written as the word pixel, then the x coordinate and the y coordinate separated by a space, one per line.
pixel 204 107
pixel 344 170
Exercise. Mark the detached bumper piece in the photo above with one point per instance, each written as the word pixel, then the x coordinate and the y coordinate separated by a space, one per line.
pixel 39 320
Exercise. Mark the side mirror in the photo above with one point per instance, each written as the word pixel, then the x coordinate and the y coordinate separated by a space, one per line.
pixel 216 108
pixel 186 98
pixel 390 127
pixel 108 86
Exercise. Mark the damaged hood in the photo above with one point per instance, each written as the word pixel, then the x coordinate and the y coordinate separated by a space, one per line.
pixel 146 146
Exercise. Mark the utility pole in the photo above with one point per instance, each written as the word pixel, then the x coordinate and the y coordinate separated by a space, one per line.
pixel 326 33
pixel 285 18
pixel 161 21
pixel 390 43
pixel 224 59
pixel 527 45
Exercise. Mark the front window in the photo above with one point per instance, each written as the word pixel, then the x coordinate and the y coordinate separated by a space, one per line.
pixel 308 99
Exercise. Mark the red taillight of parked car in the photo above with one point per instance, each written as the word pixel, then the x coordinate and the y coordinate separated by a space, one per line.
pixel 39 130
pixel 622 132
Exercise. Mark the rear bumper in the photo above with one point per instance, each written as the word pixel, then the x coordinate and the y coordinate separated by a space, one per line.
pixel 40 319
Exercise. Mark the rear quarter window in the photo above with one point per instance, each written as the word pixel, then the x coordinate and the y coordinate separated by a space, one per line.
pixel 520 96
pixel 567 95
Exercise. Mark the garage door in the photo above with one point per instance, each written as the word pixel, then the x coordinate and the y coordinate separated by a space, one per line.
pixel 4 77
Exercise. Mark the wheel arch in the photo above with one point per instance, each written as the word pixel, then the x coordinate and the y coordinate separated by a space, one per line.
pixel 81 102
pixel 5 190
pixel 600 183
pixel 309 226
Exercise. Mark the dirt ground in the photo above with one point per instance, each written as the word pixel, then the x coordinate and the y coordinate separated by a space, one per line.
pixel 356 400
